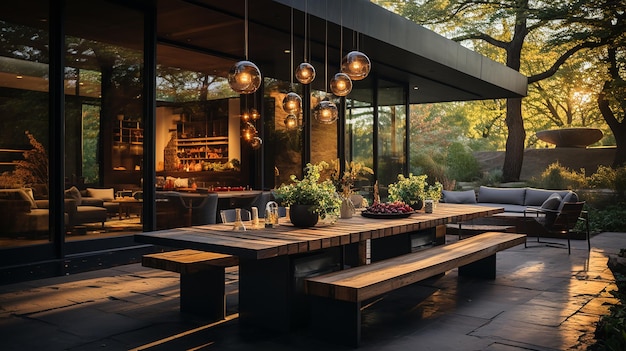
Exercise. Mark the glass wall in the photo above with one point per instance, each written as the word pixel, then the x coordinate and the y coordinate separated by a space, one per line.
pixel 103 118
pixel 24 123
pixel 391 133
pixel 283 145
pixel 360 133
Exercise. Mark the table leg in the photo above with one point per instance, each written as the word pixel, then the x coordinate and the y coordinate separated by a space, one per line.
pixel 271 295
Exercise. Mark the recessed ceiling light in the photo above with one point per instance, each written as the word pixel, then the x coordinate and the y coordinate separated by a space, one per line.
pixel 19 77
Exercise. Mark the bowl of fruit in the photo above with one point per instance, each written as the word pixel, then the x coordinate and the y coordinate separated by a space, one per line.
pixel 396 209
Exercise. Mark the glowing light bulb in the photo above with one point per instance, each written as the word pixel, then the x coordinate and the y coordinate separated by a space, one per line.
pixel 356 65
pixel 340 84
pixel 244 77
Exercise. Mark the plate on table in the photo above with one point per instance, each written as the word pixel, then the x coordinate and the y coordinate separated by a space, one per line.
pixel 386 215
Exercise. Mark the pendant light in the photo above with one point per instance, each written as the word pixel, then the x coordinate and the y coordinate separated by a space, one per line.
pixel 356 65
pixel 245 77
pixel 340 84
pixel 326 112
pixel 292 102
pixel 305 73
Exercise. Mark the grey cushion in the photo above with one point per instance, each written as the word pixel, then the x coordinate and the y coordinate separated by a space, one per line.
pixel 569 197
pixel 514 196
pixel 459 197
pixel 74 193
pixel 552 202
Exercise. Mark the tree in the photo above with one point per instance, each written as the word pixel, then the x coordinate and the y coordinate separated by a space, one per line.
pixel 605 20
pixel 504 24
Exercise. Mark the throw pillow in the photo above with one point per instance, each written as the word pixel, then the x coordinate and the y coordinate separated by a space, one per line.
pixel 569 197
pixel 74 193
pixel 27 194
pixel 552 202
pixel 102 194
pixel 459 197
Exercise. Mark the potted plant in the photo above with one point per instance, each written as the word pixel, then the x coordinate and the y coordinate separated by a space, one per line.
pixel 309 198
pixel 433 192
pixel 411 190
pixel 344 183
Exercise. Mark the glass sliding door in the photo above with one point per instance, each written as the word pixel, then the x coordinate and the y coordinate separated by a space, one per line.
pixel 391 133
pixel 359 142
pixel 24 123
pixel 103 118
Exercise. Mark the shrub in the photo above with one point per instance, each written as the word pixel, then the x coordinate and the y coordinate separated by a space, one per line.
pixel 603 178
pixel 559 177
pixel 462 165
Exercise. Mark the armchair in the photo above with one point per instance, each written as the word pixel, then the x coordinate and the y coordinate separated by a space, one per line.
pixel 557 222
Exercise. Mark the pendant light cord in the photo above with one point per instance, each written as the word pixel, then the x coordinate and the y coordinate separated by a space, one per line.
pixel 326 50
pixel 306 29
pixel 291 52
pixel 246 27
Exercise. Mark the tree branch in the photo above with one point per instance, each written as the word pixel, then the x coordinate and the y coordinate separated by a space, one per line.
pixel 561 60
pixel 482 36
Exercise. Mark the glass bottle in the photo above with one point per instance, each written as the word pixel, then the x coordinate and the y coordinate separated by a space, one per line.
pixel 238 225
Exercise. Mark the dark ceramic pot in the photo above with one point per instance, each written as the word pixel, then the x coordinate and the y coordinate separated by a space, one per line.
pixel 302 216
pixel 418 205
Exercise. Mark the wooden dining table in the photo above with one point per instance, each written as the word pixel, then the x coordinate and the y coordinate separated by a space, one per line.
pixel 274 261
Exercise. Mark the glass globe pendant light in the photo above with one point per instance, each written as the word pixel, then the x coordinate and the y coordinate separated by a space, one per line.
pixel 340 84
pixel 356 65
pixel 256 142
pixel 245 77
pixel 292 102
pixel 326 112
pixel 291 121
pixel 305 72
pixel 248 132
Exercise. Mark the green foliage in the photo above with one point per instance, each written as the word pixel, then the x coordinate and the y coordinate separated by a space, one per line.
pixel 559 177
pixel 611 218
pixel 604 178
pixel 311 191
pixel 462 166
pixel 413 189
pixel 611 329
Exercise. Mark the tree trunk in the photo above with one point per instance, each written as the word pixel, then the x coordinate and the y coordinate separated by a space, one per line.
pixel 618 128
pixel 514 155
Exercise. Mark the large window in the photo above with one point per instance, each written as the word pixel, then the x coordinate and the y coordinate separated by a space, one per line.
pixel 103 117
pixel 391 132
pixel 24 144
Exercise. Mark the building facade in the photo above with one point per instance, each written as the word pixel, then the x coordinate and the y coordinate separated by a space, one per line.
pixel 110 100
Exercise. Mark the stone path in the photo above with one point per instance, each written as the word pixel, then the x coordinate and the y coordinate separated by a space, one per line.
pixel 542 299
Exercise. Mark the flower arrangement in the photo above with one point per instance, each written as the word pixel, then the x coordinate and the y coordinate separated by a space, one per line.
pixel 413 189
pixel 32 170
pixel 344 183
pixel 311 191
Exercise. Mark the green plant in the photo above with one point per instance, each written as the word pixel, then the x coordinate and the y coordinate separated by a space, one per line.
pixel 559 177
pixel 462 165
pixel 409 190
pixel 433 192
pixel 311 191
pixel 354 171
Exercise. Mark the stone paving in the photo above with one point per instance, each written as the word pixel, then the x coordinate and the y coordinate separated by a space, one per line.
pixel 542 299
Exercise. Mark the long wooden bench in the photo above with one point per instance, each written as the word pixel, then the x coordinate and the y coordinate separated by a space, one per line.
pixel 202 275
pixel 336 298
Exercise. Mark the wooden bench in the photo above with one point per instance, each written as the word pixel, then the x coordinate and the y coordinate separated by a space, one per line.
pixel 463 229
pixel 336 298
pixel 202 275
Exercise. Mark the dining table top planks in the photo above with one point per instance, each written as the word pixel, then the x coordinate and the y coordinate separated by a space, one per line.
pixel 286 239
